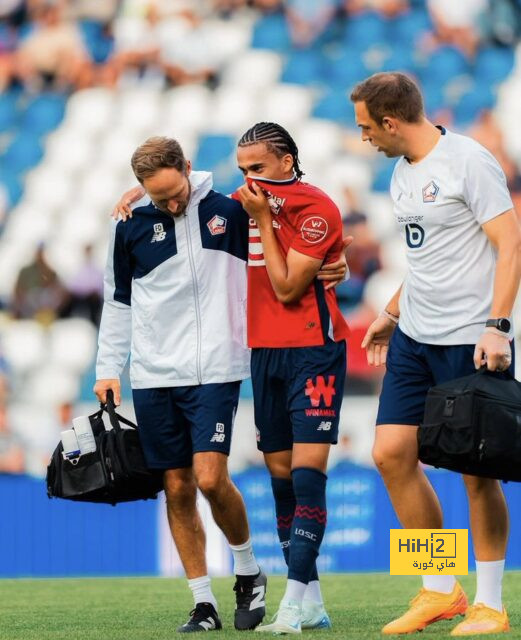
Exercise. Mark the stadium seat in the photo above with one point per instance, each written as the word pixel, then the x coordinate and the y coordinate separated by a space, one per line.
pixel 304 66
pixel 330 136
pixel 271 32
pixel 493 64
pixel 343 68
pixel 97 39
pixel 231 38
pixel 43 113
pixel 72 344
pixel 138 109
pixel 48 188
pixel 51 385
pixel 472 104
pixel 24 345
pixel 409 28
pixel 68 149
pixel 365 30
pixel 234 110
pixel 8 110
pixel 352 172
pixel 23 153
pixel 12 185
pixel 255 69
pixel 212 149
pixel 443 65
pixel 90 110
pixel 100 187
pixel 394 256
pixel 286 104
pixel 335 105
pixel 188 106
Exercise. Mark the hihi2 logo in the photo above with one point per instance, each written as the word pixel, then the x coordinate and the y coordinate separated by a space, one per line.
pixel 318 391
pixel 428 552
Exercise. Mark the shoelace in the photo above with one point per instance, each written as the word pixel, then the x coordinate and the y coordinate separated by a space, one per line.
pixel 477 612
pixel 286 615
pixel 424 595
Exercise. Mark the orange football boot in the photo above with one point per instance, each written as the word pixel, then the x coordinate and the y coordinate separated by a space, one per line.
pixel 480 620
pixel 428 607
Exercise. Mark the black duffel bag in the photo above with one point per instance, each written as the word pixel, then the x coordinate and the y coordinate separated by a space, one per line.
pixel 473 425
pixel 115 472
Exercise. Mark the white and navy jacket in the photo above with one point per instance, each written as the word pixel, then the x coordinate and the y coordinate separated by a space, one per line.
pixel 175 293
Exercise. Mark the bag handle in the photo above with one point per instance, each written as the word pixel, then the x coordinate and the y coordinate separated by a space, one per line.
pixel 483 370
pixel 114 417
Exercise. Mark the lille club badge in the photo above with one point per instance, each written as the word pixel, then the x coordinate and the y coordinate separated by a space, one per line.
pixel 217 225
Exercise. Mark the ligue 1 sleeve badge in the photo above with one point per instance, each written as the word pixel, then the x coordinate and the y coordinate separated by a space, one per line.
pixel 217 225
pixel 314 229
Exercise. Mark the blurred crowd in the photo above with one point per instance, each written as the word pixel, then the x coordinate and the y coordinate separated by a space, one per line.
pixel 55 47
pixel 67 44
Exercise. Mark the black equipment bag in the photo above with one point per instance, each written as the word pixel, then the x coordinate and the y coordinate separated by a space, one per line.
pixel 115 472
pixel 473 425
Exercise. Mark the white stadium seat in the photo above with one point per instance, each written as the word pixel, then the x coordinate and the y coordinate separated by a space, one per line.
pixel 255 69
pixel 188 106
pixel 379 210
pixel 24 345
pixel 287 104
pixel 72 344
pixel 90 110
pixel 68 149
pixel 48 188
pixel 52 385
pixel 234 111
pixel 380 287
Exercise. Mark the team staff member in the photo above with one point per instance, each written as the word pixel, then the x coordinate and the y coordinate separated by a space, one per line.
pixel 175 287
pixel 451 314
pixel 298 364
pixel 228 230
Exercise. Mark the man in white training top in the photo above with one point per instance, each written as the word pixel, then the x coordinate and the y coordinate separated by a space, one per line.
pixel 451 315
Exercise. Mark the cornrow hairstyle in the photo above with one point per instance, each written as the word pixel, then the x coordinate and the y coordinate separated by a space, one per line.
pixel 276 139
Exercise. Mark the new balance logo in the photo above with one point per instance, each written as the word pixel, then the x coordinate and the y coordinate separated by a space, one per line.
pixel 219 434
pixel 324 426
pixel 259 595
pixel 159 233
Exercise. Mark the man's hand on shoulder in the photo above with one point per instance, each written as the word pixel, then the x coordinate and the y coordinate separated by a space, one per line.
pixel 102 386
pixel 493 349
pixel 122 208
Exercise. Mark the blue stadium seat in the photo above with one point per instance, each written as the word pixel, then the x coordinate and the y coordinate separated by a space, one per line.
pixel 12 184
pixel 433 97
pixel 382 175
pixel 44 113
pixel 335 105
pixel 212 150
pixel 401 59
pixel 8 110
pixel 97 40
pixel 493 64
pixel 409 27
pixel 345 69
pixel 443 64
pixel 23 153
pixel 365 30
pixel 303 67
pixel 472 103
pixel 271 32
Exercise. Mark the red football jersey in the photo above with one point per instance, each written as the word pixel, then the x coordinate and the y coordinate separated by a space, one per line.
pixel 307 220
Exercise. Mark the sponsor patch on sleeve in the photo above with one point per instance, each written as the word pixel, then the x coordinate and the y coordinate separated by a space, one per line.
pixel 314 229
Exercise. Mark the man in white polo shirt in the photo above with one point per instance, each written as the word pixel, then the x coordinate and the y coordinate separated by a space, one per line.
pixel 451 314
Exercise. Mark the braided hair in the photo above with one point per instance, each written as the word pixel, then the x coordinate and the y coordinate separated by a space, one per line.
pixel 276 139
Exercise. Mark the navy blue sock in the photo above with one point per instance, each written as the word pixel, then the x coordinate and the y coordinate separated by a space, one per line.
pixel 309 522
pixel 285 503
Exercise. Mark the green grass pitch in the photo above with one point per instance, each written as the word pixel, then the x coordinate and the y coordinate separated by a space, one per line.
pixel 151 608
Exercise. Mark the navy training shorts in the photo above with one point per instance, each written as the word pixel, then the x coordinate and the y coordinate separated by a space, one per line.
pixel 412 369
pixel 297 394
pixel 176 422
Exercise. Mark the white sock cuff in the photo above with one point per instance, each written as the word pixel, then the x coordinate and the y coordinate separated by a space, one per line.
pixel 241 547
pixel 198 582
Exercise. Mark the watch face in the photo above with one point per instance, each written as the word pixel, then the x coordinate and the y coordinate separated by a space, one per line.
pixel 503 325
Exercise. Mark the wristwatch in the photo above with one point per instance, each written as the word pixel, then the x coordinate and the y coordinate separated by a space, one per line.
pixel 501 324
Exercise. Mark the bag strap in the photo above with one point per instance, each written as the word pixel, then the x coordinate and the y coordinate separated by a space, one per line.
pixel 114 417
pixel 483 370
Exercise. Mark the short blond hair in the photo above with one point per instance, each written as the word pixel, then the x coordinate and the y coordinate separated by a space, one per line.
pixel 157 153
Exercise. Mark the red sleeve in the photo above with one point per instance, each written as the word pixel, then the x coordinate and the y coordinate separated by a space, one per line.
pixel 318 233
